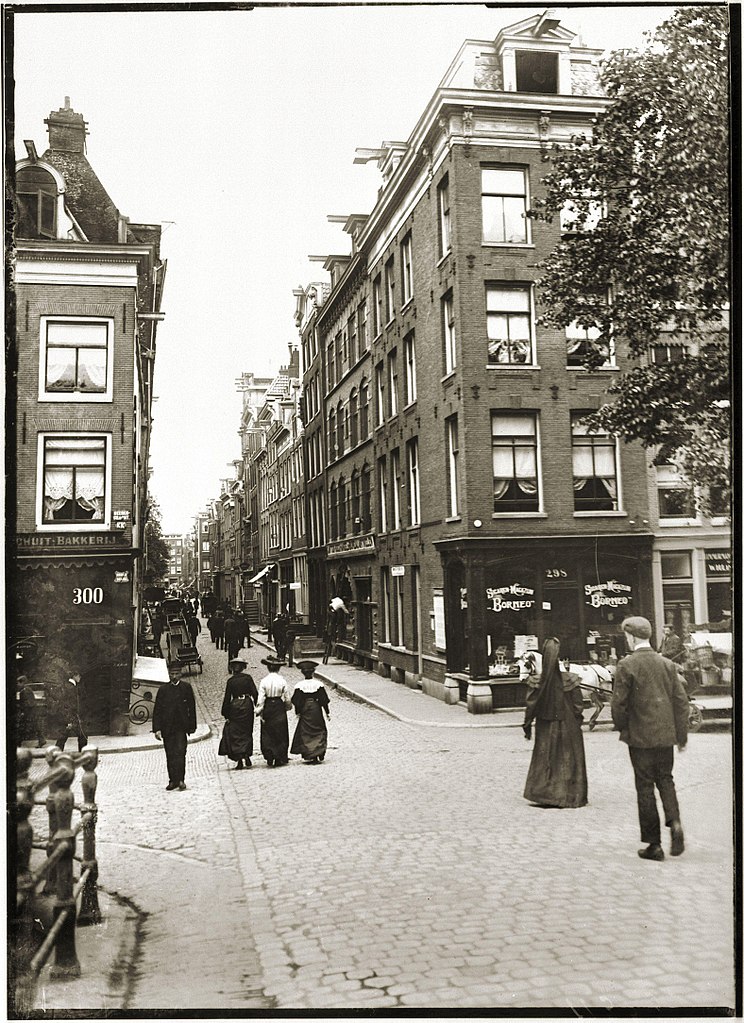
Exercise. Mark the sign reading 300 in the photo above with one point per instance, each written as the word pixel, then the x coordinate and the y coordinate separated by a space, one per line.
pixel 87 595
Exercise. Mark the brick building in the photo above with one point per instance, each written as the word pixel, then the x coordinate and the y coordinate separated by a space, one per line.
pixel 87 294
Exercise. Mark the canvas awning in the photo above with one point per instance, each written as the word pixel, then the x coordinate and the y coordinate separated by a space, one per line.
pixel 261 574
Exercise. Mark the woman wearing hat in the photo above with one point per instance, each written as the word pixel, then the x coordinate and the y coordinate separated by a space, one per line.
pixel 557 774
pixel 240 696
pixel 310 699
pixel 273 703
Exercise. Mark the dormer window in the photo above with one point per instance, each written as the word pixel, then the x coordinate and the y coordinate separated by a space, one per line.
pixel 537 71
pixel 37 203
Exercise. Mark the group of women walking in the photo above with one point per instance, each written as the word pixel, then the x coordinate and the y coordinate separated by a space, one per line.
pixel 270 702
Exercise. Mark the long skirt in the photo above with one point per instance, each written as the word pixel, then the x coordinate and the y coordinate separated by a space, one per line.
pixel 557 774
pixel 237 735
pixel 311 734
pixel 274 731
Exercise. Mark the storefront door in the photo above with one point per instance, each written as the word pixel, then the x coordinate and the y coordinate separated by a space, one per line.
pixel 561 619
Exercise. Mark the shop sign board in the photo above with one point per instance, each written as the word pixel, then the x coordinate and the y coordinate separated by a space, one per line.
pixel 524 643
pixel 42 541
pixel 121 518
pixel 295 586
pixel 608 594
pixel 397 570
pixel 514 597
pixel 352 545
pixel 718 562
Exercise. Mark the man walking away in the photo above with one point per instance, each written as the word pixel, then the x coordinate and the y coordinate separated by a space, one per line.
pixel 650 708
pixel 219 629
pixel 194 626
pixel 173 719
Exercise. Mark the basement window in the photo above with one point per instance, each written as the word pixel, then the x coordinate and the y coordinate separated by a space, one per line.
pixel 537 72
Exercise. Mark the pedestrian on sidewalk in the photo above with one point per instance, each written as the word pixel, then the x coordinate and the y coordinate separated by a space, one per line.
pixel 279 634
pixel 310 700
pixel 650 708
pixel 233 636
pixel 194 626
pixel 238 708
pixel 290 636
pixel 246 627
pixel 67 700
pixel 273 703
pixel 173 719
pixel 218 625
pixel 557 774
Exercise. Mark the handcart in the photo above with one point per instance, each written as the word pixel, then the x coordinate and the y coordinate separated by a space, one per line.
pixel 181 650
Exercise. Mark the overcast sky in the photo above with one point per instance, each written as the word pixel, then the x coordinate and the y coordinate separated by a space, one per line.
pixel 236 131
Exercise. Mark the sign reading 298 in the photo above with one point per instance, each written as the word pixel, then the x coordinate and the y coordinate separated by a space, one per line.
pixel 88 595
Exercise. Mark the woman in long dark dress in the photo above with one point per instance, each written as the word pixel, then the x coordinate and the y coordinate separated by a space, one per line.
pixel 273 703
pixel 309 700
pixel 557 774
pixel 240 697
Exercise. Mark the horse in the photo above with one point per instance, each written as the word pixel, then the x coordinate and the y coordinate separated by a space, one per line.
pixel 594 679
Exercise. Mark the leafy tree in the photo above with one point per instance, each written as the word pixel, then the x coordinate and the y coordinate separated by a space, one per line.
pixel 157 553
pixel 654 267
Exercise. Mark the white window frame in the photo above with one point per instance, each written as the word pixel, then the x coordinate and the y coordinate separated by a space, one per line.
pixel 450 333
pixel 667 478
pixel 379 394
pixel 591 513
pixel 84 525
pixel 382 486
pixel 406 265
pixel 395 481
pixel 524 195
pixel 76 396
pixel 390 290
pixel 576 333
pixel 392 370
pixel 515 286
pixel 540 512
pixel 409 349
pixel 378 311
pixel 414 489
pixel 453 458
pixel 445 218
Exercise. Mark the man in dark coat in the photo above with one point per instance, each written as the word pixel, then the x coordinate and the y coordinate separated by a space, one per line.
pixel 279 633
pixel 194 626
pixel 650 708
pixel 233 636
pixel 671 645
pixel 173 719
pixel 67 698
pixel 218 626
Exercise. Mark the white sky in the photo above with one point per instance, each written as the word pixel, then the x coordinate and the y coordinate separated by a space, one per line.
pixel 239 127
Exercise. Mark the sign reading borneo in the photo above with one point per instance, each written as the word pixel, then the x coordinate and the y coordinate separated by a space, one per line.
pixel 609 594
pixel 500 597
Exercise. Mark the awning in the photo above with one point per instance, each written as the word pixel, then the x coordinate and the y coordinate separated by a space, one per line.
pixel 261 574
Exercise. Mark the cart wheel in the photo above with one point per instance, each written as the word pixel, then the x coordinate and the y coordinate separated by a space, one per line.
pixel 695 719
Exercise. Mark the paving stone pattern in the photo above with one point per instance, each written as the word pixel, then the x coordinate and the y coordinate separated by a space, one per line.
pixel 407 871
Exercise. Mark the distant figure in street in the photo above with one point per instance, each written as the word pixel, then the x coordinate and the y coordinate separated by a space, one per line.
pixel 273 703
pixel 671 645
pixel 210 626
pixel 557 774
pixel 156 624
pixel 246 627
pixel 68 710
pixel 195 603
pixel 335 626
pixel 279 633
pixel 290 636
pixel 218 625
pixel 28 719
pixel 233 636
pixel 650 708
pixel 310 700
pixel 194 626
pixel 173 719
pixel 238 708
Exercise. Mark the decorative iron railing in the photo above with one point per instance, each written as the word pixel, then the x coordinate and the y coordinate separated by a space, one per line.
pixel 46 915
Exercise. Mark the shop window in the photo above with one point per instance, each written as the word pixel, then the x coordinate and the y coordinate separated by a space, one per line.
pixel 76 359
pixel 504 205
pixel 515 461
pixel 509 325
pixel 37 203
pixel 582 342
pixel 445 242
pixel 719 601
pixel 594 456
pixel 676 565
pixel 537 72
pixel 386 603
pixel 75 473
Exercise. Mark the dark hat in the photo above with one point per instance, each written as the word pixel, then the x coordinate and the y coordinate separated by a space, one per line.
pixel 236 661
pixel 272 662
pixel 638 627
pixel 307 667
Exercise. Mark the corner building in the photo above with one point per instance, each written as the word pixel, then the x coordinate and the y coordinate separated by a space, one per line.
pixel 88 288
pixel 500 522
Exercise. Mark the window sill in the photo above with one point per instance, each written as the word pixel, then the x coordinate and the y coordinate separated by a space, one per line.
pixel 599 369
pixel 507 245
pixel 413 528
pixel 507 367
pixel 77 527
pixel 409 302
pixel 617 514
pixel 446 256
pixel 390 323
pixel 666 523
pixel 79 397
pixel 411 405
pixel 449 376
pixel 519 515
pixel 454 518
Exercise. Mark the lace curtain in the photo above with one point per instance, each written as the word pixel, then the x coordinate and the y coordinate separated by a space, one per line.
pixel 74 471
pixel 596 461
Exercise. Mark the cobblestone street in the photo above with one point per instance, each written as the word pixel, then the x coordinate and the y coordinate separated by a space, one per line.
pixel 408 871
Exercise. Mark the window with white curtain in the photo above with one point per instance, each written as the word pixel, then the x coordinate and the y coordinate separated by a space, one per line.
pixel 580 341
pixel 74 479
pixel 594 456
pixel 515 475
pixel 509 325
pixel 504 205
pixel 76 359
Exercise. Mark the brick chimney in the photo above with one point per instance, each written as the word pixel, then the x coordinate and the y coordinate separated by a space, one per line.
pixel 67 130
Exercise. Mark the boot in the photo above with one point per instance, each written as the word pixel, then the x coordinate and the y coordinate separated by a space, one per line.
pixel 678 838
